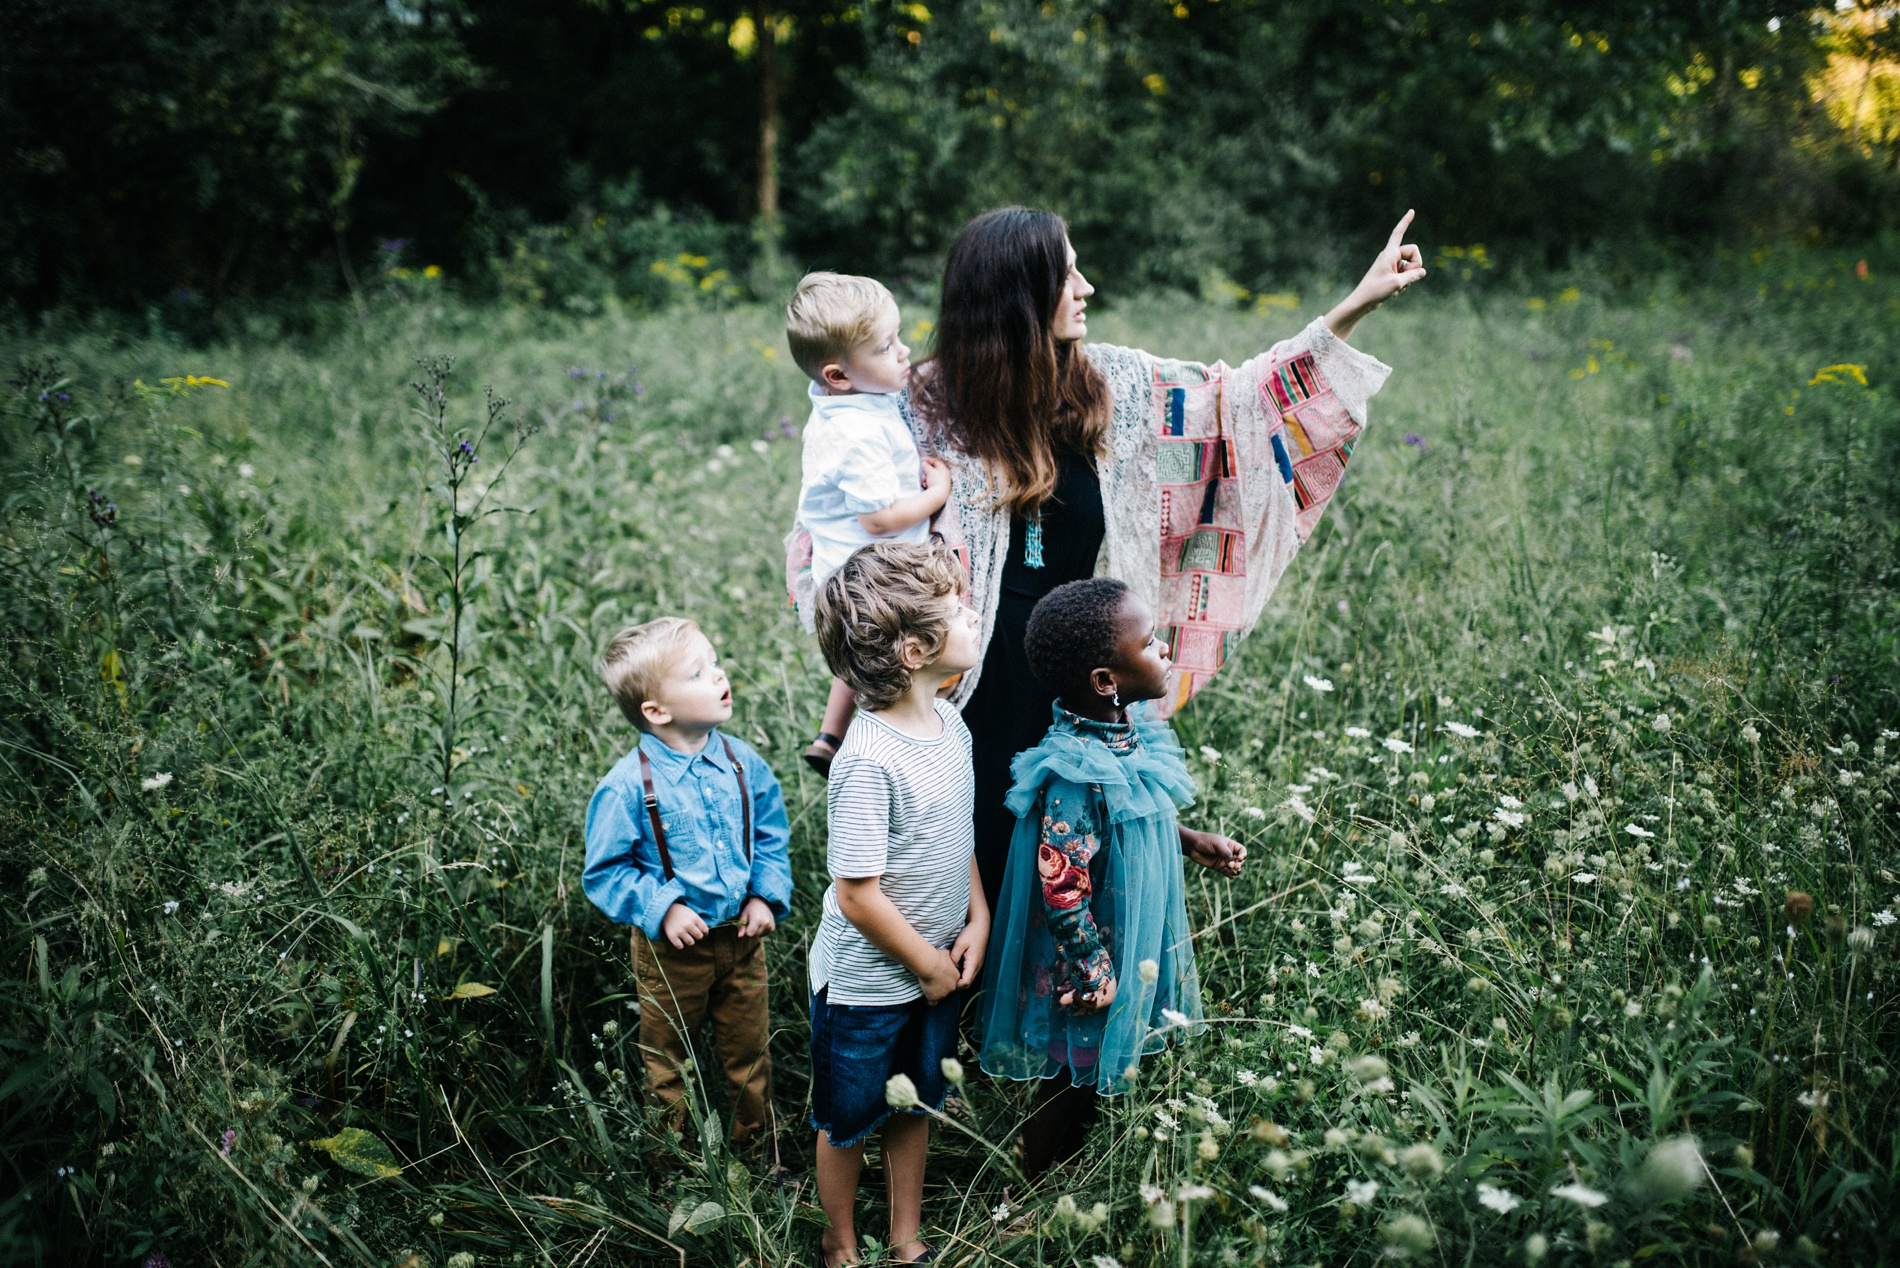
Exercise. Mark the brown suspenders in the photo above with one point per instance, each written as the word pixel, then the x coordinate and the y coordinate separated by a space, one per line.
pixel 653 805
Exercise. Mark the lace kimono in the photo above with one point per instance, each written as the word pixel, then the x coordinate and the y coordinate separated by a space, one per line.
pixel 1215 476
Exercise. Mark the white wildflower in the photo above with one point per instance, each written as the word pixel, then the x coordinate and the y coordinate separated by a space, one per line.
pixel 1461 730
pixel 952 1071
pixel 1674 1167
pixel 1319 684
pixel 1210 754
pixel 1316 1054
pixel 1272 1200
pixel 1168 1120
pixel 1570 791
pixel 156 782
pixel 1301 809
pixel 1585 878
pixel 999 1212
pixel 1300 1031
pixel 900 1092
pixel 1509 802
pixel 1358 733
pixel 1503 1201
pixel 1149 972
pixel 1883 918
pixel 1750 734
pixel 1394 745
pixel 1361 1192
pixel 1193 1193
pixel 1175 1017
pixel 1509 818
pixel 1584 1197
pixel 171 907
pixel 1105 1261
pixel 1636 830
pixel 1661 723
pixel 1254 812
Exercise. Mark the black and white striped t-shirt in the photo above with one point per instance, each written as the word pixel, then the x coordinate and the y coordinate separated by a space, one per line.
pixel 899 808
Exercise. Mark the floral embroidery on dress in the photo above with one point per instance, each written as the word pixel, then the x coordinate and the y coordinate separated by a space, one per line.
pixel 1063 855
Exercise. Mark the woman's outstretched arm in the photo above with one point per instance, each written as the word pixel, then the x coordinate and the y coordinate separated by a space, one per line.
pixel 1397 267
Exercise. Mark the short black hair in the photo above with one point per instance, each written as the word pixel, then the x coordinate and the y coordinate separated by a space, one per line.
pixel 1072 633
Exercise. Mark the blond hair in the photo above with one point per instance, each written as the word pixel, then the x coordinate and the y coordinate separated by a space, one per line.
pixel 638 658
pixel 831 315
pixel 886 592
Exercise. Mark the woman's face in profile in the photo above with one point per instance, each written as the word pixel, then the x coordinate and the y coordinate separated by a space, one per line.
pixel 1072 323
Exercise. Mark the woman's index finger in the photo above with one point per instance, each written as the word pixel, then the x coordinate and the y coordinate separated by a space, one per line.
pixel 1398 230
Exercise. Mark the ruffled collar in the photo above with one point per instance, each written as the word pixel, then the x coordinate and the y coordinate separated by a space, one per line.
pixel 1118 737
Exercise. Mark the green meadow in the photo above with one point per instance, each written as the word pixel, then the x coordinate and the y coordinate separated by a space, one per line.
pixel 1565 756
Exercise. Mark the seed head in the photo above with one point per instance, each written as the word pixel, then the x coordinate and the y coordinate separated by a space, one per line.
pixel 1799 907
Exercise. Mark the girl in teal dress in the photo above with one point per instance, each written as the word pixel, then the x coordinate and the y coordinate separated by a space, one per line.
pixel 1091 960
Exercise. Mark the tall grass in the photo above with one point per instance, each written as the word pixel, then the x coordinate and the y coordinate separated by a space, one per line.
pixel 1581 696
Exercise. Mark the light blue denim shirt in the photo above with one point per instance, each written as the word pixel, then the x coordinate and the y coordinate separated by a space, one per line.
pixel 705 824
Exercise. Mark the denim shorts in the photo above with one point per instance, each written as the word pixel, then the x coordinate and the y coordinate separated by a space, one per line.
pixel 855 1048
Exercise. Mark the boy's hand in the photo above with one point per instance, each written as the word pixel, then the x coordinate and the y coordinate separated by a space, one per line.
pixel 941 980
pixel 756 918
pixel 1213 851
pixel 1091 1001
pixel 967 952
pixel 681 926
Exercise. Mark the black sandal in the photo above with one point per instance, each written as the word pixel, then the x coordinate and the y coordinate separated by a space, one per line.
pixel 822 750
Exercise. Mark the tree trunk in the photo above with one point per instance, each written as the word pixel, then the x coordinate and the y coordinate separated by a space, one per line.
pixel 767 29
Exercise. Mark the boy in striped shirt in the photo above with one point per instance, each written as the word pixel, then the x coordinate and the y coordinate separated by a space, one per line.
pixel 905 923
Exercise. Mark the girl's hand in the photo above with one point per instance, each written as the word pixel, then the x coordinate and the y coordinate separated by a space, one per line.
pixel 1397 267
pixel 1214 852
pixel 1089 1001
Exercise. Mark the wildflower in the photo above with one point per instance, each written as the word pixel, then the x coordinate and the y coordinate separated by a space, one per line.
pixel 1509 818
pixel 1175 1017
pixel 953 1071
pixel 1358 733
pixel 1536 1246
pixel 1766 1242
pixel 1660 723
pixel 1409 1233
pixel 227 1140
pixel 1587 1198
pixel 1883 917
pixel 1336 1138
pixel 1503 1201
pixel 1161 1214
pixel 1066 1209
pixel 1674 1167
pixel 1461 730
pixel 1271 1133
pixel 1585 878
pixel 1428 803
pixel 999 1212
pixel 171 909
pixel 1300 808
pixel 1861 939
pixel 900 1092
pixel 1371 1011
pixel 1421 1161
pixel 1393 745
pixel 1148 971
pixel 156 782
pixel 1321 685
pixel 461 1258
pixel 1167 1120
pixel 1105 1261
pixel 1361 1192
pixel 1254 812
pixel 1207 1149
pixel 1416 441
pixel 1369 1069
pixel 1193 1193
pixel 1750 734
pixel 1509 802
pixel 1280 1162
pixel 1638 831
pixel 1271 1200
pixel 1799 907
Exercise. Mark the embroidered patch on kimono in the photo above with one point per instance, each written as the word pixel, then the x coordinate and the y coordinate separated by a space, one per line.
pixel 1313 440
pixel 1203 538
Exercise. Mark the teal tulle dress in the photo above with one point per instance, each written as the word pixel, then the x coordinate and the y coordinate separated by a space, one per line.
pixel 1093 889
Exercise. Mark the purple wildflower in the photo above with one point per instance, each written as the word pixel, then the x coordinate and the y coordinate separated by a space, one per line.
pixel 393 245
pixel 575 372
pixel 1415 439
pixel 639 389
pixel 156 1260
pixel 230 1138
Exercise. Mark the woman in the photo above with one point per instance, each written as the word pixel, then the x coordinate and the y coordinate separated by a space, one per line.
pixel 1194 484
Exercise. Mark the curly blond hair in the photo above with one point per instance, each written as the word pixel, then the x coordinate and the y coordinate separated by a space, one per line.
pixel 885 593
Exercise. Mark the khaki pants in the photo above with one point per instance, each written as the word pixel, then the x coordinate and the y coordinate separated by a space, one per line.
pixel 721 974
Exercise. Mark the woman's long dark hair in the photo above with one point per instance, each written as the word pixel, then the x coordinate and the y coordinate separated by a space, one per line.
pixel 1001 388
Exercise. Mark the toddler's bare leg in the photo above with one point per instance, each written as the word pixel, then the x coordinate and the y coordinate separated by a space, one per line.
pixel 839 708
pixel 838 1171
pixel 906 1148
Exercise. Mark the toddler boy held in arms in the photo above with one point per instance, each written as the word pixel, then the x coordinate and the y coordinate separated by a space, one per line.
pixel 686 842
pixel 862 479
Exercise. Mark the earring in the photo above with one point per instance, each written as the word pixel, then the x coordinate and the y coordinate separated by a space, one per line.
pixel 1116 699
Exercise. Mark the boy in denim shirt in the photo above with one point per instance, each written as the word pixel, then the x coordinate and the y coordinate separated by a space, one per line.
pixel 686 842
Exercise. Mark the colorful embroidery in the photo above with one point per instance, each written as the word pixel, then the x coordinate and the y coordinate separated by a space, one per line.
pixel 1062 864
